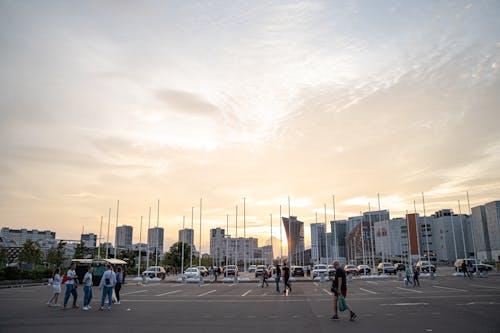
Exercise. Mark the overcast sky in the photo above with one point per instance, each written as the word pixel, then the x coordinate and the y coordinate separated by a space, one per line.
pixel 225 100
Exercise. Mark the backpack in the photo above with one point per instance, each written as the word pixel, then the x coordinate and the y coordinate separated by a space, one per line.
pixel 64 279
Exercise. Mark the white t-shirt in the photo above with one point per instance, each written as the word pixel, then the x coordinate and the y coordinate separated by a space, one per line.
pixel 70 274
pixel 88 279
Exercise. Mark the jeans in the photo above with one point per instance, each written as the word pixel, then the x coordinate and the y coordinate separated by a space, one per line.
pixel 72 291
pixel 107 291
pixel 118 287
pixel 87 296
pixel 277 280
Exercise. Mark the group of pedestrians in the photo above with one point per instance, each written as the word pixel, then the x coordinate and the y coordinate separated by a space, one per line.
pixel 285 272
pixel 409 272
pixel 110 282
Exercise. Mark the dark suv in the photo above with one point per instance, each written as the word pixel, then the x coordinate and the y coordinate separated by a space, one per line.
pixel 297 271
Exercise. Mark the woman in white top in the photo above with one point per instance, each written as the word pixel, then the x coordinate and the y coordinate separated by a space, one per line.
pixel 56 286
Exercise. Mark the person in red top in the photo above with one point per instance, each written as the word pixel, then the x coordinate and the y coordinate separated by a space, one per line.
pixel 340 284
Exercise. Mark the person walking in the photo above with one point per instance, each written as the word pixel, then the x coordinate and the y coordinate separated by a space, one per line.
pixel 277 278
pixel 470 269
pixel 339 285
pixel 108 280
pixel 87 289
pixel 464 269
pixel 118 285
pixel 265 275
pixel 211 273
pixel 56 287
pixel 286 277
pixel 408 276
pixel 416 273
pixel 71 285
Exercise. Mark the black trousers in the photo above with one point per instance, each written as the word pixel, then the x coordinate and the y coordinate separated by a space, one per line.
pixel 118 286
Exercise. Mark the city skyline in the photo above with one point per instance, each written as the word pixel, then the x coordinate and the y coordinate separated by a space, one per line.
pixel 232 101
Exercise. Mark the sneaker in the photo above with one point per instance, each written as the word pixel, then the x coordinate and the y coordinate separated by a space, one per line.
pixel 49 303
pixel 89 306
pixel 85 308
pixel 118 302
pixel 101 309
pixel 109 308
pixel 57 304
pixel 353 316
pixel 334 317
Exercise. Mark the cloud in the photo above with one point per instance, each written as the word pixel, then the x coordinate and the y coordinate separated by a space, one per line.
pixel 187 103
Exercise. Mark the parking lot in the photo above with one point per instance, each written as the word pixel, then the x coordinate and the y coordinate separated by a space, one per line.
pixel 444 304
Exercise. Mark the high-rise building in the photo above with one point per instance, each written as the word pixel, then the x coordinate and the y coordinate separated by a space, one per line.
pixel 124 237
pixel 294 230
pixel 318 241
pixel 337 239
pixel 217 244
pixel 89 240
pixel 155 239
pixel 186 236
pixel 486 224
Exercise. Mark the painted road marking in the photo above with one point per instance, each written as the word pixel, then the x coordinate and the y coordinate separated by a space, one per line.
pixel 455 289
pixel 372 282
pixel 248 292
pixel 405 304
pixel 368 291
pixel 478 285
pixel 135 292
pixel 170 292
pixel 326 291
pixel 208 292
pixel 415 291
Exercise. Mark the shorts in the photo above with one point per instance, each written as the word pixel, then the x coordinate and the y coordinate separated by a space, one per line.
pixel 343 292
pixel 57 289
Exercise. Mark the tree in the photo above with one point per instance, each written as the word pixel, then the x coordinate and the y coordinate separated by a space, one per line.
pixel 174 255
pixel 55 256
pixel 83 252
pixel 30 253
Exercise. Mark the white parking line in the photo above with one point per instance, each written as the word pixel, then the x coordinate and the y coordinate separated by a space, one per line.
pixel 135 292
pixel 478 285
pixel 368 291
pixel 405 304
pixel 326 291
pixel 170 292
pixel 316 283
pixel 372 282
pixel 415 291
pixel 248 292
pixel 208 292
pixel 455 289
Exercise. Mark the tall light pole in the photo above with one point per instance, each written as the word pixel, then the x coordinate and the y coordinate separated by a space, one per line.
pixel 140 250
pixel 182 243
pixel 473 233
pixel 116 226
pixel 199 257
pixel 244 237
pixel 191 238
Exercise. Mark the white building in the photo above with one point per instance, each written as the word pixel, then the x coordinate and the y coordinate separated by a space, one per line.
pixel 318 242
pixel 20 236
pixel 124 237
pixel 486 223
pixel 89 240
pixel 155 239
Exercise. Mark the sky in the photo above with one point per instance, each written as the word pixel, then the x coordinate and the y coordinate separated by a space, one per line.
pixel 244 101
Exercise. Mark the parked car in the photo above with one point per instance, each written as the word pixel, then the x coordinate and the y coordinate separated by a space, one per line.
pixel 479 265
pixel 192 272
pixel 386 267
pixel 252 268
pixel 155 271
pixel 350 269
pixel 331 270
pixel 259 270
pixel 203 270
pixel 399 266
pixel 230 270
pixel 297 271
pixel 318 270
pixel 425 266
pixel 364 269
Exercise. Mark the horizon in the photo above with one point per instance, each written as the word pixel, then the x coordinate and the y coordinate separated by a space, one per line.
pixel 177 101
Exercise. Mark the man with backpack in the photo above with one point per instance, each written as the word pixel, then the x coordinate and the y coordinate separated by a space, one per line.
pixel 108 281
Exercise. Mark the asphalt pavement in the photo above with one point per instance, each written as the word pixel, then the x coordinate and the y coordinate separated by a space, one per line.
pixel 446 304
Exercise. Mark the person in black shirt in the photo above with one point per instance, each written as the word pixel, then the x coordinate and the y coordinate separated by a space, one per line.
pixel 286 276
pixel 340 284
pixel 277 278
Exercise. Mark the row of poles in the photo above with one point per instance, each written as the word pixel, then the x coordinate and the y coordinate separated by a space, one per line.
pixel 335 247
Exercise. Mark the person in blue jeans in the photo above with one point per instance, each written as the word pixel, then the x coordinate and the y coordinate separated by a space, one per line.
pixel 277 278
pixel 71 286
pixel 108 281
pixel 87 289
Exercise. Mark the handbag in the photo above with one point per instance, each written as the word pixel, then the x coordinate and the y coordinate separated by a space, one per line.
pixel 342 303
